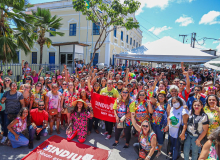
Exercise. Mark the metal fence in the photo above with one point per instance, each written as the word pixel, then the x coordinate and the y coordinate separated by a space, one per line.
pixel 17 68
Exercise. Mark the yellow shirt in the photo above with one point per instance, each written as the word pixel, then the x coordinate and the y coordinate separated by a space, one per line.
pixel 113 93
pixel 131 106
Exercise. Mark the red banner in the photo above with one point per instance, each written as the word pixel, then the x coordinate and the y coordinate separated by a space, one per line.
pixel 58 148
pixel 103 107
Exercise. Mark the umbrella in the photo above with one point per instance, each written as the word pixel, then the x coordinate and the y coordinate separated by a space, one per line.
pixel 214 64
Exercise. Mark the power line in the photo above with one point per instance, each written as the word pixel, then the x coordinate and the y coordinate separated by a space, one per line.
pixel 150 32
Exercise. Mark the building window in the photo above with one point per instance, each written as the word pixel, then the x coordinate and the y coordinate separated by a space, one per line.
pixel 52 29
pixel 34 57
pixel 127 39
pixel 72 30
pixel 134 43
pixel 122 35
pixel 96 58
pixel 115 31
pixel 130 41
pixel 96 29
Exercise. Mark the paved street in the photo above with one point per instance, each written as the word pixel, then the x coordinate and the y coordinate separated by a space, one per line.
pixel 94 139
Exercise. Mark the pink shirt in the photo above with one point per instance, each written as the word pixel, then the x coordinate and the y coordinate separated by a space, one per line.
pixel 35 79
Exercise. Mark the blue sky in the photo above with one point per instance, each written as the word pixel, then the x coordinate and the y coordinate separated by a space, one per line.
pixel 174 17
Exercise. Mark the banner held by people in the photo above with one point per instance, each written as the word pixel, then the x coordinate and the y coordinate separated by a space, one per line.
pixel 103 107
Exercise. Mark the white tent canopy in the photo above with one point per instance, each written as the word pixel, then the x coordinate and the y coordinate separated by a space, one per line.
pixel 166 50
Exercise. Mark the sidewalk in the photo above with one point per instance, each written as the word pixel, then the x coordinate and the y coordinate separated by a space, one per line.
pixel 96 140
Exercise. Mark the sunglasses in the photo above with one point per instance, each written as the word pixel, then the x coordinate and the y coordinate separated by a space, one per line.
pixel 133 82
pixel 28 79
pixel 100 73
pixel 129 86
pixel 139 84
pixel 151 82
pixel 109 83
pixel 142 95
pixel 125 92
pixel 41 105
pixel 182 84
pixel 197 90
pixel 49 82
pixel 146 126
pixel 120 84
pixel 7 80
pixel 38 86
pixel 64 84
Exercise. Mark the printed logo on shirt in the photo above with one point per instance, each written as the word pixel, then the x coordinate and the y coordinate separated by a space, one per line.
pixel 174 120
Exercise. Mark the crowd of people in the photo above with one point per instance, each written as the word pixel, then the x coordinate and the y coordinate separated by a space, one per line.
pixel 150 102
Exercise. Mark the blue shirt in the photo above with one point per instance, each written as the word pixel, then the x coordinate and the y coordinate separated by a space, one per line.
pixel 191 99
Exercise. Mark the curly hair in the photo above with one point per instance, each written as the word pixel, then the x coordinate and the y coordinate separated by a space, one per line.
pixel 21 111
pixel 215 136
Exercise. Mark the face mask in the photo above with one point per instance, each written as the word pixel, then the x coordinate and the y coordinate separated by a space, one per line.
pixel 176 105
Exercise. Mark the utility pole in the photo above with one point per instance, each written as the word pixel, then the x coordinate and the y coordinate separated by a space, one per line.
pixel 193 39
pixel 184 36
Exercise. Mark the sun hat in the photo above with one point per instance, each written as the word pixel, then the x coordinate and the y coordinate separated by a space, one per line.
pixel 59 77
pixel 79 100
pixel 162 92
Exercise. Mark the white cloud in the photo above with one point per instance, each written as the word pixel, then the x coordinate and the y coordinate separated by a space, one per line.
pixel 218 48
pixel 158 30
pixel 210 18
pixel 184 20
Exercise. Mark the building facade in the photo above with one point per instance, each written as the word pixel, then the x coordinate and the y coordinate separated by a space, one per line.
pixel 78 29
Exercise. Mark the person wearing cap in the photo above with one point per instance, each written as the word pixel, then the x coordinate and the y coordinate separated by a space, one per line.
pixel 119 86
pixel 26 70
pixel 159 116
pixel 47 75
pixel 78 121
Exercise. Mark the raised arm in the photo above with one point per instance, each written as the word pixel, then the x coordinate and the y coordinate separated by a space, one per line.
pixel 40 71
pixel 136 126
pixel 205 150
pixel 126 77
pixel 182 66
pixel 89 84
pixel 22 63
pixel 187 81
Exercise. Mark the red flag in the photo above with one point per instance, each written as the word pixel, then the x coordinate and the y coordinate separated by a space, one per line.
pixel 103 107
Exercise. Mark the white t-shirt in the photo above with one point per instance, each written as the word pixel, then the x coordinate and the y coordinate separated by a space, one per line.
pixel 176 119
pixel 78 65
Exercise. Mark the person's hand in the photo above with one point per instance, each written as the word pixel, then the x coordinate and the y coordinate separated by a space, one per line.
pixel 127 70
pixel 198 143
pixel 166 128
pixel 64 66
pixel 146 158
pixel 182 136
pixel 17 137
pixel 198 96
pixel 89 78
pixel 216 108
pixel 3 99
pixel 117 119
pixel 34 125
pixel 95 70
pixel 185 73
pixel 42 68
pixel 38 130
pixel 148 101
pixel 132 114
pixel 22 60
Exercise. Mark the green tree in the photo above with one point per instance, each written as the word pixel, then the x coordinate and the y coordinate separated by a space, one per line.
pixel 15 26
pixel 43 25
pixel 106 13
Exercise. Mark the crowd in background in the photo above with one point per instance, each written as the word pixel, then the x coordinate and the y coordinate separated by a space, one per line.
pixel 150 102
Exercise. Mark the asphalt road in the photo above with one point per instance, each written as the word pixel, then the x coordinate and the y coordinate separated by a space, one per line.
pixel 97 140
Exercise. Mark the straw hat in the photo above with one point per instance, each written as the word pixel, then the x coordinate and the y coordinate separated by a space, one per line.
pixel 79 100
pixel 162 92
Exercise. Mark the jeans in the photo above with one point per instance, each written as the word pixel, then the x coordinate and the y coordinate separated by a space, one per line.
pixel 174 146
pixel 22 140
pixel 190 140
pixel 2 114
pixel 159 133
pixel 108 127
pixel 6 123
pixel 127 131
pixel 137 147
pixel 32 132
pixel 91 123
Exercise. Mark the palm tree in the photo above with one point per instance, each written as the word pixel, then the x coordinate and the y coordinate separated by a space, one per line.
pixel 15 26
pixel 43 24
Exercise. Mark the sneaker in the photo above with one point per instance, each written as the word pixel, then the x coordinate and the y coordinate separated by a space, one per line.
pixel 3 139
pixel 30 145
pixel 108 137
pixel 54 128
pixel 125 146
pixel 115 144
pixel 105 133
pixel 38 137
